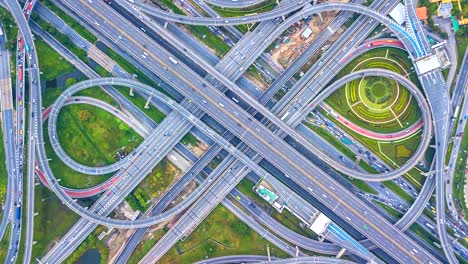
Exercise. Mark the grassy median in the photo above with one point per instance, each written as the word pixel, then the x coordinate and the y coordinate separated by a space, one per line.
pixel 376 103
pixel 220 234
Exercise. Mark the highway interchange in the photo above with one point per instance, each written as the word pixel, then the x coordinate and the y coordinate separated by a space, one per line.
pixel 257 136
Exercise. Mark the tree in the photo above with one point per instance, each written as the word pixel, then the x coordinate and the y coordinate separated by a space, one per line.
pixel 70 82
pixel 84 115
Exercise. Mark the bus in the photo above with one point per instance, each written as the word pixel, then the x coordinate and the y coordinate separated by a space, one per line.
pixel 173 60
pixel 455 113
pixel 18 212
pixel 21 44
pixel 1 31
pixel 430 226
pixel 20 72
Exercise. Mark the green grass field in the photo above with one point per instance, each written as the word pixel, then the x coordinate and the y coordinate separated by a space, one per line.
pixel 52 222
pixel 376 103
pixel 264 6
pixel 4 243
pixel 51 63
pixel 201 32
pixel 459 176
pixel 144 246
pixel 3 173
pixel 153 185
pixel 220 234
pixel 286 218
pixel 9 25
pixel 92 136
pixel 87 141
pixel 70 21
pixel 91 242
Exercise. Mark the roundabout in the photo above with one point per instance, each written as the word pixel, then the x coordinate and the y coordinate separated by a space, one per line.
pixel 377 104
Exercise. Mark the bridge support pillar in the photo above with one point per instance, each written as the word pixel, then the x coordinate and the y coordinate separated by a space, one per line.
pixel 131 92
pixel 356 163
pixel 147 102
pixel 268 252
pixel 342 251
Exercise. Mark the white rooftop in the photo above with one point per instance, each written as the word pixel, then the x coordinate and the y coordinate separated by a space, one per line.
pixel 398 13
pixel 306 33
pixel 320 224
pixel 427 64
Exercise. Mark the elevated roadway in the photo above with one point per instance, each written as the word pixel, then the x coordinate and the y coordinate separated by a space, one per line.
pixel 403 35
pixel 258 106
pixel 265 259
pixel 358 27
pixel 460 103
pixel 137 223
pixel 35 107
pixel 273 118
pixel 234 3
pixel 6 107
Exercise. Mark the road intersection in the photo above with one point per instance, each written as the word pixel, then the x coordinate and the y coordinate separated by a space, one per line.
pixel 263 136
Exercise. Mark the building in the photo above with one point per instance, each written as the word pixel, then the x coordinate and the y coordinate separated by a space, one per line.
pixel 427 64
pixel 306 33
pixel 398 14
pixel 445 9
pixel 320 224
pixel 421 12
pixel 269 196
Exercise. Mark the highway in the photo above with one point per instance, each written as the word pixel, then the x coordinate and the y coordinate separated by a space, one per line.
pixel 265 259
pixel 319 41
pixel 109 221
pixel 235 259
pixel 102 187
pixel 223 68
pixel 35 106
pixel 6 107
pixel 20 128
pixel 234 3
pixel 460 90
pixel 218 106
pixel 275 120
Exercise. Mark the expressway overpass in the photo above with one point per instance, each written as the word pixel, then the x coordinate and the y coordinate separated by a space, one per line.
pixel 134 223
pixel 6 106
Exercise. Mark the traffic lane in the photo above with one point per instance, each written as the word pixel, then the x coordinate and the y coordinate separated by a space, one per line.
pixel 256 104
pixel 440 107
pixel 200 98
